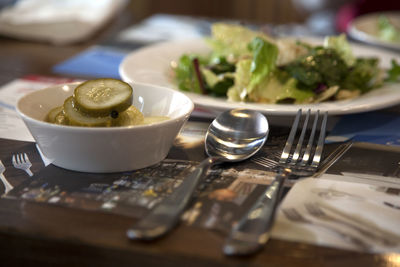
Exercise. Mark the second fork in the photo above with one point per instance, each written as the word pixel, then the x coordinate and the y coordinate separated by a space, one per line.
pixel 7 186
pixel 21 161
pixel 252 231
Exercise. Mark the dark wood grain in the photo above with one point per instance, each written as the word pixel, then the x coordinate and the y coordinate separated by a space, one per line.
pixel 48 235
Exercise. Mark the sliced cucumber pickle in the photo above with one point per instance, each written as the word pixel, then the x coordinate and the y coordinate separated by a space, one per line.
pixel 77 118
pixel 129 117
pixel 102 102
pixel 99 97
pixel 61 118
pixel 51 116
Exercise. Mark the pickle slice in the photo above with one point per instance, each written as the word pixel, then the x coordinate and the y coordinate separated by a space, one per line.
pixel 77 118
pixel 99 97
pixel 61 118
pixel 129 117
pixel 51 116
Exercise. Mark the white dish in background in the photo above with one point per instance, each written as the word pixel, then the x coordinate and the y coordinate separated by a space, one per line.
pixel 365 29
pixel 152 65
pixel 57 22
pixel 102 149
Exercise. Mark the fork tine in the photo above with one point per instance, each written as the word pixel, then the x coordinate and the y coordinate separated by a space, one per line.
pixel 289 142
pixel 265 162
pixel 307 152
pixel 321 141
pixel 260 159
pixel 21 161
pixel 26 159
pixel 296 153
pixel 269 161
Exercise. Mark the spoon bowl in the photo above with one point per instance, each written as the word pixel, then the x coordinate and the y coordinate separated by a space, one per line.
pixel 234 135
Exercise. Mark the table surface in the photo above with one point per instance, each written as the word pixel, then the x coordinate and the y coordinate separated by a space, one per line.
pixel 49 235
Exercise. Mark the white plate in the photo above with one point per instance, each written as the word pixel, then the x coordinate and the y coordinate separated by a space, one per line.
pixel 152 65
pixel 365 29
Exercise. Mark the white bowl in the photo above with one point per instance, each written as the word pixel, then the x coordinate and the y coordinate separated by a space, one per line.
pixel 103 149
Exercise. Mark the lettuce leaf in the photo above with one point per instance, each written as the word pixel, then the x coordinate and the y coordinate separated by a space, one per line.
pixel 238 92
pixel 271 89
pixel 185 75
pixel 264 60
pixel 363 76
pixel 393 74
pixel 322 66
pixel 217 84
pixel 231 40
pixel 342 47
pixel 387 31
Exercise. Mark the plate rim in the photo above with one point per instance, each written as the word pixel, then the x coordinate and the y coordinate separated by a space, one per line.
pixel 213 104
pixel 362 36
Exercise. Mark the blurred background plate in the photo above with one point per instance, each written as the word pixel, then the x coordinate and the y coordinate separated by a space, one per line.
pixel 366 29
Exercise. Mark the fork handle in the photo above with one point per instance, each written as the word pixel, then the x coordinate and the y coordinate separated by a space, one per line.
pixel 166 215
pixel 29 172
pixel 252 231
pixel 7 186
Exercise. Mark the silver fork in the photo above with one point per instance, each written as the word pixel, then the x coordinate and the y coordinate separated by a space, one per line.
pixel 21 161
pixel 293 215
pixel 7 186
pixel 265 162
pixel 374 234
pixel 252 230
pixel 324 165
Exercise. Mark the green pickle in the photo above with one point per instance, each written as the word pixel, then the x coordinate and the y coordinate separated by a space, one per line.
pixel 78 118
pixel 51 116
pixel 61 119
pixel 99 103
pixel 100 97
pixel 131 116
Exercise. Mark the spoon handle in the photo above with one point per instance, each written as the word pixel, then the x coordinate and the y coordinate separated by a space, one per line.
pixel 166 215
pixel 252 231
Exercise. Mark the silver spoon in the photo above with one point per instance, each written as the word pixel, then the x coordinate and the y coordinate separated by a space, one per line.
pixel 234 135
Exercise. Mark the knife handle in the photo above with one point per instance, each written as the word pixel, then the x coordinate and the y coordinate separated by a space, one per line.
pixel 253 230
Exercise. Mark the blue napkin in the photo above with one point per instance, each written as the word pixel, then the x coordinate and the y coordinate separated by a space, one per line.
pixel 97 61
pixel 373 127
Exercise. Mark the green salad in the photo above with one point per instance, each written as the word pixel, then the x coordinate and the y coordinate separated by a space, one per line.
pixel 387 31
pixel 250 66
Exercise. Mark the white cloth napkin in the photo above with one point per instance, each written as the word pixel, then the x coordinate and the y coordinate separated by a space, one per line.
pixel 57 21
pixel 50 11
pixel 357 216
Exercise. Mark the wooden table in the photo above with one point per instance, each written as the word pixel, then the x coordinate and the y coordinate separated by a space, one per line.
pixel 34 234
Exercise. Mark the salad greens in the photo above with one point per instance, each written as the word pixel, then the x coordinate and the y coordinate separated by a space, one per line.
pixel 387 31
pixel 394 72
pixel 264 58
pixel 247 65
